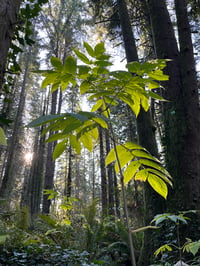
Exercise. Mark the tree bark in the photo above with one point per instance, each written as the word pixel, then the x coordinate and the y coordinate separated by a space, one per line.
pixel 181 113
pixel 9 10
pixel 110 179
pixel 191 151
pixel 8 180
pixel 50 163
pixel 104 200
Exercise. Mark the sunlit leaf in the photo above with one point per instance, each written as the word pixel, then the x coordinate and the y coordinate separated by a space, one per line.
pixel 50 78
pixel 158 185
pixel 82 57
pixel 130 171
pixel 89 49
pixel 87 141
pixel 111 157
pixel 158 75
pixel 124 157
pixel 56 63
pixel 85 85
pixel 55 137
pixel 75 143
pixel 70 65
pixel 100 121
pixel 162 249
pixel 59 149
pixel 99 49
pixel 3 140
pixel 142 175
pixel 97 105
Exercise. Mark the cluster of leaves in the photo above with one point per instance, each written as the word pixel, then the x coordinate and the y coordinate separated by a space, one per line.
pixel 189 246
pixel 105 241
pixel 43 254
pixel 105 88
pixel 85 241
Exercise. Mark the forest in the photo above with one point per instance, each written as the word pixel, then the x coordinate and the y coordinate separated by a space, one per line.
pixel 100 132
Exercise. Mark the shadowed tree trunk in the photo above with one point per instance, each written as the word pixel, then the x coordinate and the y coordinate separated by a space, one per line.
pixel 181 113
pixel 191 153
pixel 50 163
pixel 110 169
pixel 8 181
pixel 104 200
pixel 9 10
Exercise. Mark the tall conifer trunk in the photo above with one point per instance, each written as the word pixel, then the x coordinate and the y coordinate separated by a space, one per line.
pixel 8 181
pixel 181 113
pixel 104 198
pixel 9 10
pixel 50 163
pixel 191 152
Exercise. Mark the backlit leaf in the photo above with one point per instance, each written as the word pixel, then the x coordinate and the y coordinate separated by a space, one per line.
pixel 142 175
pixel 59 149
pixel 130 171
pixel 99 49
pixel 56 63
pixel 82 57
pixel 70 65
pixel 50 78
pixel 89 49
pixel 75 143
pixel 111 157
pixel 158 185
pixel 162 249
pixel 87 141
pixel 2 137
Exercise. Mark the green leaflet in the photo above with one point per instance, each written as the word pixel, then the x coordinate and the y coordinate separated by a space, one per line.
pixel 130 171
pixel 162 249
pixel 2 137
pixel 75 144
pixel 82 57
pixel 70 65
pixel 158 75
pixel 87 141
pixel 50 78
pixel 83 71
pixel 89 49
pixel 56 63
pixel 158 185
pixel 44 119
pixel 142 175
pixel 60 148
pixel 99 49
pixel 56 137
pixel 97 105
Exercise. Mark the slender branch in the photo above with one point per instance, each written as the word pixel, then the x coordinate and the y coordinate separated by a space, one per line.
pixel 132 252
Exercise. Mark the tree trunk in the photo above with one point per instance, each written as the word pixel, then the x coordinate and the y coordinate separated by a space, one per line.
pixel 8 181
pixel 181 125
pixel 110 169
pixel 104 200
pixel 50 163
pixel 191 153
pixel 33 182
pixel 69 175
pixel 9 10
